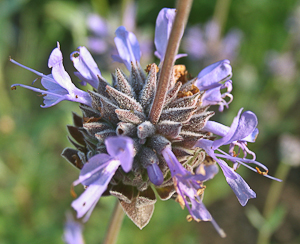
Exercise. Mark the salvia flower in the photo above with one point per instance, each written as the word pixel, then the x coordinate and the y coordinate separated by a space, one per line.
pixel 58 84
pixel 243 129
pixel 99 170
pixel 73 231
pixel 120 152
pixel 211 80
pixel 88 70
pixel 205 43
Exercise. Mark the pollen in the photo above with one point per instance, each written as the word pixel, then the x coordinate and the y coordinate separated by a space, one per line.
pixel 260 172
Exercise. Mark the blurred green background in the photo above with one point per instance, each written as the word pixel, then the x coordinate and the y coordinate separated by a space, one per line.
pixel 35 180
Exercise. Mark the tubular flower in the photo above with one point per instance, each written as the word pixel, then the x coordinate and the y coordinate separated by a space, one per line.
pixel 72 231
pixel 243 129
pixel 120 152
pixel 58 84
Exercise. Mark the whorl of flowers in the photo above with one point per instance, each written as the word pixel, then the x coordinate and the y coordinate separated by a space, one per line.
pixel 120 152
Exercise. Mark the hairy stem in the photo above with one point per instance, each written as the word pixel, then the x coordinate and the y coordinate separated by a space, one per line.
pixel 183 10
pixel 114 225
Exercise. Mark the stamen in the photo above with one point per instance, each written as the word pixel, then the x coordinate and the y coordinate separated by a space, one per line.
pixel 260 172
pixel 73 194
pixel 189 218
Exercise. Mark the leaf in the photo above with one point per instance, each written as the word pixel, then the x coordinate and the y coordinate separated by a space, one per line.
pixel 141 208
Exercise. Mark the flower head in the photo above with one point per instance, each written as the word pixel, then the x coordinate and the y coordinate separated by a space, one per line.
pixel 122 152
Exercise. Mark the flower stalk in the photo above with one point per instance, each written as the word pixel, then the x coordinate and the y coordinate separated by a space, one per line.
pixel 182 14
pixel 114 225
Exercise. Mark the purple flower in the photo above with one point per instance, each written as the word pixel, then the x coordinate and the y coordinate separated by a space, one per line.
pixel 58 84
pixel 204 43
pixel 243 129
pixel 189 187
pixel 128 48
pixel 73 231
pixel 164 23
pixel 88 71
pixel 155 175
pixel 210 80
pixel 97 25
pixel 98 171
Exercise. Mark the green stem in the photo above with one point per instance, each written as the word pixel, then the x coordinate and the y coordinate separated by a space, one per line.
pixel 114 225
pixel 183 10
pixel 272 201
pixel 221 13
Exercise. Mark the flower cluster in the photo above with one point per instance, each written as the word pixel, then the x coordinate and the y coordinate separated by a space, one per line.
pixel 120 152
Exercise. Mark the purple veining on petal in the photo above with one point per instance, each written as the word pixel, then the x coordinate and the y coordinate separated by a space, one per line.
pixel 97 173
